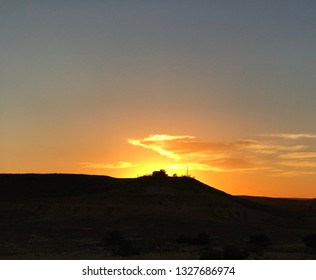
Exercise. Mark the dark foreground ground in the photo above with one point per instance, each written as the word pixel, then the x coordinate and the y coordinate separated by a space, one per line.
pixel 58 216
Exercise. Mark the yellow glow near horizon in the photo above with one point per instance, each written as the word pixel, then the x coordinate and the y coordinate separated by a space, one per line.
pixel 252 166
pixel 265 165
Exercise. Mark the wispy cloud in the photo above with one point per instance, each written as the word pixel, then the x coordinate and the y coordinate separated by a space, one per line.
pixel 293 173
pixel 201 155
pixel 160 142
pixel 292 136
pixel 299 163
pixel 301 155
pixel 118 165
pixel 215 167
pixel 266 153
pixel 294 157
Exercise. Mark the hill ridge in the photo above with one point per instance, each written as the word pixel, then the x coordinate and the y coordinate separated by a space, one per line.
pixel 47 209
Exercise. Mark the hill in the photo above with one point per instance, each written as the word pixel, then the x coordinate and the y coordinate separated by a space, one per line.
pixel 67 216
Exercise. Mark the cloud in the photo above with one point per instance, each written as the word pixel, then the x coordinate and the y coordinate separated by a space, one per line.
pixel 195 166
pixel 276 156
pixel 213 167
pixel 293 173
pixel 118 165
pixel 158 143
pixel 200 155
pixel 299 163
pixel 291 136
pixel 301 155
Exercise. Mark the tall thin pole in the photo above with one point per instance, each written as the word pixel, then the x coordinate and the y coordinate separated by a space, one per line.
pixel 161 239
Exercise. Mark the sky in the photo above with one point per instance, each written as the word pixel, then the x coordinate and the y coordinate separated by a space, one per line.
pixel 224 89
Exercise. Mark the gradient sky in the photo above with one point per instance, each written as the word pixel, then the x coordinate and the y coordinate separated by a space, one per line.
pixel 122 88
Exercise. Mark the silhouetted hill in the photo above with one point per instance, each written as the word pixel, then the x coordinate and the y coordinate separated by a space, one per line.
pixel 64 185
pixel 43 186
pixel 30 186
pixel 68 215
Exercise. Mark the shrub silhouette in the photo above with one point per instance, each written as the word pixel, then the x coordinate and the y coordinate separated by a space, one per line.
pixel 118 245
pixel 113 238
pixel 232 252
pixel 202 239
pixel 258 243
pixel 125 249
pixel 209 253
pixel 310 241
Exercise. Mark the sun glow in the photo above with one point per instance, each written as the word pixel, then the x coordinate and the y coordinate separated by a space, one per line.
pixel 237 167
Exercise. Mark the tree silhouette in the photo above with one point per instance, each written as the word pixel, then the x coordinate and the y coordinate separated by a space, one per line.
pixel 160 174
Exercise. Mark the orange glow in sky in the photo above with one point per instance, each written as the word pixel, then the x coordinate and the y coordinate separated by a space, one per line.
pixel 252 166
pixel 225 89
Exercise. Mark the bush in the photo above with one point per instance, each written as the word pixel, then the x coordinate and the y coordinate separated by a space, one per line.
pixel 258 243
pixel 231 252
pixel 310 241
pixel 125 249
pixel 118 245
pixel 113 238
pixel 202 239
pixel 209 253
